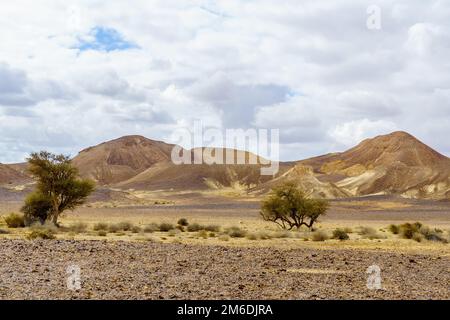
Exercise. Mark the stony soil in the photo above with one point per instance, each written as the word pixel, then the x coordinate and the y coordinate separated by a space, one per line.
pixel 147 270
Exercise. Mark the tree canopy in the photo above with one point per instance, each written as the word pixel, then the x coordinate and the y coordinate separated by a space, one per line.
pixel 289 207
pixel 58 188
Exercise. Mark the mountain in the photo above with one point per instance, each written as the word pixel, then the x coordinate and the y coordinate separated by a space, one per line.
pixel 8 175
pixel 396 163
pixel 164 176
pixel 121 159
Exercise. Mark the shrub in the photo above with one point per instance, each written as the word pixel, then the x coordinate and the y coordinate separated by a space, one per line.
pixel 251 236
pixel 41 234
pixel 263 235
pixel 2 231
pixel 212 235
pixel 417 237
pixel 288 207
pixel 224 237
pixel 78 227
pixel 151 228
pixel 202 234
pixel 194 227
pixel 100 226
pixel 348 230
pixel 236 232
pixel 164 227
pixel 183 222
pixel 212 228
pixel 369 233
pixel 395 229
pixel 340 234
pixel 136 229
pixel 173 232
pixel 102 233
pixel 15 220
pixel 125 226
pixel 113 228
pixel 319 236
pixel 282 234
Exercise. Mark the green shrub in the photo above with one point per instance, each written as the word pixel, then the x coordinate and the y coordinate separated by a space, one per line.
pixel 15 220
pixel 41 234
pixel 164 227
pixel 100 226
pixel 211 235
pixel 319 236
pixel 151 228
pixel 236 232
pixel 102 233
pixel 340 234
pixel 183 222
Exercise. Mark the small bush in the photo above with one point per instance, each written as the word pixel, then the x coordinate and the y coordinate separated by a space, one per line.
pixel 41 234
pixel 164 227
pixel 251 236
pixel 194 227
pixel 202 234
pixel 395 229
pixel 113 228
pixel 348 230
pixel 236 232
pixel 2 231
pixel 211 235
pixel 224 237
pixel 212 228
pixel 151 228
pixel 183 222
pixel 136 229
pixel 369 233
pixel 282 234
pixel 340 234
pixel 102 233
pixel 319 236
pixel 417 237
pixel 125 226
pixel 101 226
pixel 15 220
pixel 78 227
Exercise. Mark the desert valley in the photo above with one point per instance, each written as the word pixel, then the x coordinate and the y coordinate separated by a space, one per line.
pixel 153 229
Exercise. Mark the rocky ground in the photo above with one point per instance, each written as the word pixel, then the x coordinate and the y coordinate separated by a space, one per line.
pixel 147 270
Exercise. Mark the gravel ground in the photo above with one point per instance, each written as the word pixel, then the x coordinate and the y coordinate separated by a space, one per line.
pixel 147 270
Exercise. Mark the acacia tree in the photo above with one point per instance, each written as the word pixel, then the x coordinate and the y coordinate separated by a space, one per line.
pixel 288 207
pixel 58 187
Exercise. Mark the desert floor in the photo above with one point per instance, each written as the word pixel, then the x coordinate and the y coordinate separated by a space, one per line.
pixel 181 265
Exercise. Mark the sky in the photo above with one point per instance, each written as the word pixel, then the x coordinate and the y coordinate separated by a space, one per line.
pixel 327 74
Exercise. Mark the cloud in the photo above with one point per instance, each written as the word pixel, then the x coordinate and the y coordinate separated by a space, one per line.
pixel 94 71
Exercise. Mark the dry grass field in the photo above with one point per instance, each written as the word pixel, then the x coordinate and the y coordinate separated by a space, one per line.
pixel 131 229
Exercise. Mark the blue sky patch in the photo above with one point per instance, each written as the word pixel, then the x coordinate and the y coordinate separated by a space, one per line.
pixel 105 39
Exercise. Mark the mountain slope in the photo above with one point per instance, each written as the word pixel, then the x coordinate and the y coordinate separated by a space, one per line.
pixel 396 163
pixel 164 176
pixel 8 175
pixel 120 159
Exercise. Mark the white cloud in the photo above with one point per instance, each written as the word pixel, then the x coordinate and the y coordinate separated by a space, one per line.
pixel 312 69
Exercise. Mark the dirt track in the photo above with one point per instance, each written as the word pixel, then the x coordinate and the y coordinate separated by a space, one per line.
pixel 126 270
